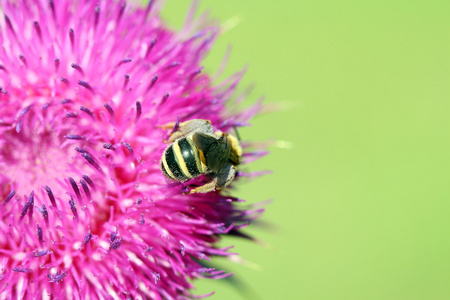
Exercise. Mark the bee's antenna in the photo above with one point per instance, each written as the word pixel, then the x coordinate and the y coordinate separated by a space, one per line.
pixel 236 133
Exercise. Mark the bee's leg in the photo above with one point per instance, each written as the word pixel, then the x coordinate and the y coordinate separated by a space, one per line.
pixel 225 177
pixel 169 125
pixel 175 134
pixel 220 181
pixel 208 187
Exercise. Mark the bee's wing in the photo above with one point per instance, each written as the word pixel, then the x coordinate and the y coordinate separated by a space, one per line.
pixel 216 158
pixel 203 141
pixel 214 150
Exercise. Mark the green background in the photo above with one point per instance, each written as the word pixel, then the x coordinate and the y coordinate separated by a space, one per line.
pixel 360 162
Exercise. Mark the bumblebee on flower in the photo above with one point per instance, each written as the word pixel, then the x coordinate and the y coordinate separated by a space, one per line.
pixel 197 150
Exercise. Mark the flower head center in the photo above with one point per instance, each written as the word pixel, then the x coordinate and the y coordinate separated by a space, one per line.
pixel 32 155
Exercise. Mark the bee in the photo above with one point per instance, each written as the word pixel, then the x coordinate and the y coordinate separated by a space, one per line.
pixel 196 149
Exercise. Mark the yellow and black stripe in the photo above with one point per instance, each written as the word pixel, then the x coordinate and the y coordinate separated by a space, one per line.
pixel 182 160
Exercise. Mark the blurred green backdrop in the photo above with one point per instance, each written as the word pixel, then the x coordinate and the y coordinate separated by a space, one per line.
pixel 361 198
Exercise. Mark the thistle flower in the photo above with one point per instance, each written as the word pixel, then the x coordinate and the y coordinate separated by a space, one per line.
pixel 85 210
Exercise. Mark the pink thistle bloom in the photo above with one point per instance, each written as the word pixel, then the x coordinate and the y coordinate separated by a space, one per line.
pixel 86 212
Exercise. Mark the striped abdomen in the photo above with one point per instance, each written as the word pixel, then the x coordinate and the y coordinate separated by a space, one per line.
pixel 181 160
